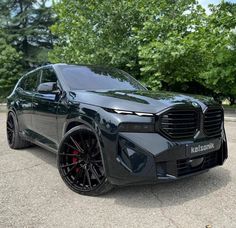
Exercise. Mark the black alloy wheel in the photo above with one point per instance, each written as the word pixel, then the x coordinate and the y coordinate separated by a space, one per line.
pixel 80 162
pixel 10 129
pixel 14 139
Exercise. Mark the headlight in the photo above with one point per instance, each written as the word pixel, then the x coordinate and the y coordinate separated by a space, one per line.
pixel 124 112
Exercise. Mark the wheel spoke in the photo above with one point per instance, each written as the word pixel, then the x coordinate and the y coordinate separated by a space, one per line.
pixel 77 177
pixel 70 171
pixel 96 161
pixel 10 124
pixel 88 177
pixel 68 165
pixel 93 145
pixel 94 172
pixel 72 147
pixel 70 155
pixel 82 142
pixel 9 129
pixel 84 179
pixel 77 145
pixel 90 139
pixel 95 154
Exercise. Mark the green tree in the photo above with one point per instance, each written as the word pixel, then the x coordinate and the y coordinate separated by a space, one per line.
pixel 169 44
pixel 98 32
pixel 169 53
pixel 10 61
pixel 219 42
pixel 27 22
pixel 126 34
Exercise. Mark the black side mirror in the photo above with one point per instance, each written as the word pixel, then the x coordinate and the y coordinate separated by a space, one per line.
pixel 48 87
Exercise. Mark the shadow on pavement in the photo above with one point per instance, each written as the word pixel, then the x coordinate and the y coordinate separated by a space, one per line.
pixel 172 193
pixel 44 155
pixel 159 195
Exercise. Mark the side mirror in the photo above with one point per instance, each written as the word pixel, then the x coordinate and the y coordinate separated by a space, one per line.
pixel 48 87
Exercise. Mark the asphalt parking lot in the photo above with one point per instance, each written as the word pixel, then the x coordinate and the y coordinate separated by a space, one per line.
pixel 32 194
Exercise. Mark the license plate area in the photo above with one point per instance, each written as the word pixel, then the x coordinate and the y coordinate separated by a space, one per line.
pixel 205 147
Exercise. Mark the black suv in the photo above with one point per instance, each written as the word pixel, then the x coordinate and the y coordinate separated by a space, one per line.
pixel 107 129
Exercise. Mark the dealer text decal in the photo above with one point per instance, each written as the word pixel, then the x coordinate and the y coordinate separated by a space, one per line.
pixel 202 148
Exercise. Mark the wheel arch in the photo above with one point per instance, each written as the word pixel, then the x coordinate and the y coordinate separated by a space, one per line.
pixel 13 110
pixel 71 125
pixel 77 122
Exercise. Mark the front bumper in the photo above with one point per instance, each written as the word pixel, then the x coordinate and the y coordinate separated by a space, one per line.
pixel 140 158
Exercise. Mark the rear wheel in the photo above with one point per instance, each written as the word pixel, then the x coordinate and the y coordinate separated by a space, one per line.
pixel 13 137
pixel 80 162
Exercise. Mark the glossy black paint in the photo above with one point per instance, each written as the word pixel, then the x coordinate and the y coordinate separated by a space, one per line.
pixel 129 157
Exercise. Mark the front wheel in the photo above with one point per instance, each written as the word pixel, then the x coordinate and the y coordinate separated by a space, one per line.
pixel 80 162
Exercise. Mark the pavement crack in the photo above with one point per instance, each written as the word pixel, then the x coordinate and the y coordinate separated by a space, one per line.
pixel 162 210
pixel 23 169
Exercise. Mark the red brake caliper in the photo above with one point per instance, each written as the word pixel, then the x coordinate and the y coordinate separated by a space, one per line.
pixel 75 159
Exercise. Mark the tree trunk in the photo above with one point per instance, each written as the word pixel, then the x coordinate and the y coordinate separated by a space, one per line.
pixel 232 100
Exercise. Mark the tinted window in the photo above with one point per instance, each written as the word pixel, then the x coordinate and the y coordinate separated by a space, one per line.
pixel 30 81
pixel 48 75
pixel 98 78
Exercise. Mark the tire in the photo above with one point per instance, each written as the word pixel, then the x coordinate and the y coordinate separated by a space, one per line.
pixel 13 137
pixel 80 162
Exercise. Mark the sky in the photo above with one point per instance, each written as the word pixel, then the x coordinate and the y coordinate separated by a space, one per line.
pixel 205 3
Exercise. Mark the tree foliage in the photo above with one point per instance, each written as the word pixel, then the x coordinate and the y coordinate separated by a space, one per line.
pixel 98 32
pixel 170 44
pixel 10 66
pixel 220 46
pixel 25 38
pixel 27 22
pixel 169 49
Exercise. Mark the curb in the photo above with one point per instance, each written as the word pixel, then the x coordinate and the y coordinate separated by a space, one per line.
pixel 230 110
pixel 230 119
pixel 3 107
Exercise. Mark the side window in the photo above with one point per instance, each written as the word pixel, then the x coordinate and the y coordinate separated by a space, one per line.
pixel 48 75
pixel 29 82
pixel 22 83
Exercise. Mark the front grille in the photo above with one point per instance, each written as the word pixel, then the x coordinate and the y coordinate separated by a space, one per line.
pixel 213 118
pixel 179 124
pixel 184 166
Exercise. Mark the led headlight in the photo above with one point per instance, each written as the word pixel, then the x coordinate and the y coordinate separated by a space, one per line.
pixel 125 112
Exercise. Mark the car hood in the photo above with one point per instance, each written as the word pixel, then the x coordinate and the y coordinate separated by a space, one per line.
pixel 139 101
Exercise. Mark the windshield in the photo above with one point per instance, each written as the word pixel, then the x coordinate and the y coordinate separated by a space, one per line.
pixel 98 78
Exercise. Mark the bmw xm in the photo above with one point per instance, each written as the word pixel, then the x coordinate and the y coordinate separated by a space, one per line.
pixel 107 129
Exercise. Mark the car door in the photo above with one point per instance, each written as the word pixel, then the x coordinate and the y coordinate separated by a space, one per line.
pixel 25 92
pixel 44 118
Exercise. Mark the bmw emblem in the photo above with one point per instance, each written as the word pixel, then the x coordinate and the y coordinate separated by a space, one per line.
pixel 195 104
